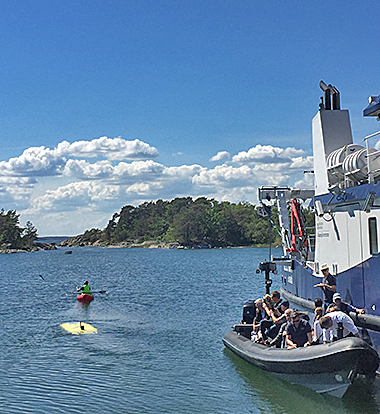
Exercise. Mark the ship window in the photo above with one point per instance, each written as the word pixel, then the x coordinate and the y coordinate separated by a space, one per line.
pixel 373 245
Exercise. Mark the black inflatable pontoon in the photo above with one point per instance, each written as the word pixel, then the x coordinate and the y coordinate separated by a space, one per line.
pixel 329 368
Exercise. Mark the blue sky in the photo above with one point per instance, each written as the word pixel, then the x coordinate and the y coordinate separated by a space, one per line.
pixel 112 103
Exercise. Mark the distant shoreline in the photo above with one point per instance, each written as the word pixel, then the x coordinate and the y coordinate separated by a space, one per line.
pixel 151 244
pixel 68 242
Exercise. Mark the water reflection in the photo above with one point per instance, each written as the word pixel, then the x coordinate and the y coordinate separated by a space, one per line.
pixel 283 397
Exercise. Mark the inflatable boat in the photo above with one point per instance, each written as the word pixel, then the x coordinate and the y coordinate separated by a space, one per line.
pixel 328 368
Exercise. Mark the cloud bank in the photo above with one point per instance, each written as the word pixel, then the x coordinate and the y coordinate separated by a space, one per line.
pixel 90 180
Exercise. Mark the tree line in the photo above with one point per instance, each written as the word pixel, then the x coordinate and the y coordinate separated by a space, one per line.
pixel 201 222
pixel 12 236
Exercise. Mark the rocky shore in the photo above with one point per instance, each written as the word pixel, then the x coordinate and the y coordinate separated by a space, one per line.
pixel 78 241
pixel 37 246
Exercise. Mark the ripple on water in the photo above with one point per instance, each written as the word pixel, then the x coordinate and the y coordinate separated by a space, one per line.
pixel 158 349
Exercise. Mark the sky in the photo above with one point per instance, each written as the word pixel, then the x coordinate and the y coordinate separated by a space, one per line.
pixel 105 104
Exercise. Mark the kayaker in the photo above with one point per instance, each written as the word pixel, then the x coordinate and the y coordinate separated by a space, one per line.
pixel 85 288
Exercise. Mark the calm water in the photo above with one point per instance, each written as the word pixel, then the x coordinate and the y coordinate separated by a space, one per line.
pixel 158 348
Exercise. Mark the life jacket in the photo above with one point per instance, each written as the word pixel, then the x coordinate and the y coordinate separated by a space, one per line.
pixel 86 289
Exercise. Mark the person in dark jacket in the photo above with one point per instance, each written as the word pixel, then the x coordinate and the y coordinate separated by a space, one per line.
pixel 343 306
pixel 270 327
pixel 279 341
pixel 298 332
pixel 328 284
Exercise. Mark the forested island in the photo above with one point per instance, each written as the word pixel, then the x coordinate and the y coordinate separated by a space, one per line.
pixel 14 238
pixel 184 222
pixel 179 223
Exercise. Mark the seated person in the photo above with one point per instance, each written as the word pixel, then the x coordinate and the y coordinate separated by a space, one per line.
pixel 318 303
pixel 298 332
pixel 85 288
pixel 280 339
pixel 268 303
pixel 277 301
pixel 317 330
pixel 330 323
pixel 260 314
pixel 270 327
pixel 338 304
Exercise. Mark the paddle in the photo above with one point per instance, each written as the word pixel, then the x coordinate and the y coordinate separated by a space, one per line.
pixel 79 293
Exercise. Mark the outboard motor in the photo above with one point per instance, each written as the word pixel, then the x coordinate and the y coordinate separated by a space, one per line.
pixel 249 312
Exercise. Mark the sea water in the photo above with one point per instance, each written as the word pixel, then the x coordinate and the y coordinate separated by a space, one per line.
pixel 159 344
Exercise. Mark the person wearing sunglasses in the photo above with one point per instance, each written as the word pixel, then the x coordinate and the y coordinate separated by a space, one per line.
pixel 298 332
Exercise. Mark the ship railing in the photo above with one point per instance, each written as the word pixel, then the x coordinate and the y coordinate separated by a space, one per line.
pixel 373 169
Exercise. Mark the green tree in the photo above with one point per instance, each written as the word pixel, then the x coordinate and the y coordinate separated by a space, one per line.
pixel 29 235
pixel 189 222
pixel 10 231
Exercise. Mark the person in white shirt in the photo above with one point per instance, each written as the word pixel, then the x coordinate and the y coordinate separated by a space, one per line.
pixel 330 323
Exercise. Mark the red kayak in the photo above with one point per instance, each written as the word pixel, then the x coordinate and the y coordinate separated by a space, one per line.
pixel 84 297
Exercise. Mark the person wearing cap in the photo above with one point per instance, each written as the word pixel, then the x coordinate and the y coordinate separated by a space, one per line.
pixel 331 323
pixel 85 288
pixel 328 284
pixel 343 306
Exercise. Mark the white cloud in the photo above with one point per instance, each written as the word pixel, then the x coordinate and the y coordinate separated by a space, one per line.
pixel 221 156
pixel 41 161
pixel 48 184
pixel 85 170
pixel 138 170
pixel 306 182
pixel 300 163
pixel 6 181
pixel 264 154
pixel 183 171
pixel 225 175
pixel 143 189
pixel 111 148
pixel 34 161
pixel 70 196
